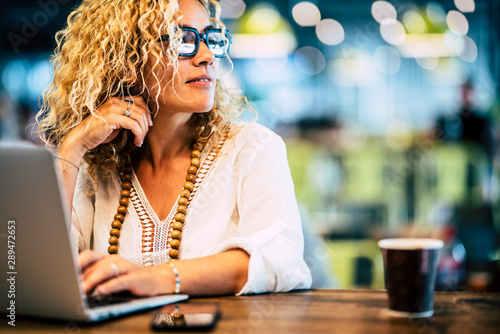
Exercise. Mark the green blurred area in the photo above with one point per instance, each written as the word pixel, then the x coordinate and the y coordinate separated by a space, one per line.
pixel 358 194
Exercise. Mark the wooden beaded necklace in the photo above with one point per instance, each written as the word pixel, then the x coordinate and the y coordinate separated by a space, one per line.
pixel 180 216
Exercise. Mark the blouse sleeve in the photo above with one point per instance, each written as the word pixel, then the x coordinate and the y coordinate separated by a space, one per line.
pixel 82 214
pixel 269 227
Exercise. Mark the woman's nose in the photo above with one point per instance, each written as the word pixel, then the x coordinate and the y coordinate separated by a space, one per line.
pixel 204 55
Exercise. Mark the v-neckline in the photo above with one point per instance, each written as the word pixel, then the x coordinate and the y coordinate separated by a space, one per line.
pixel 147 206
pixel 207 159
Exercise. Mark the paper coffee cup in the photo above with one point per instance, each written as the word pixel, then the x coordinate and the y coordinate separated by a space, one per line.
pixel 410 268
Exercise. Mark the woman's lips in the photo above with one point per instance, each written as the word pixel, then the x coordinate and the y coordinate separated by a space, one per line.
pixel 203 81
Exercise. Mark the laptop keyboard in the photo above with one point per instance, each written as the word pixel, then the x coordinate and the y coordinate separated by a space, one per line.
pixel 96 300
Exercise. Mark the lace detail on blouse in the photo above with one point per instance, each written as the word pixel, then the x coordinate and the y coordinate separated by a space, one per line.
pixel 153 245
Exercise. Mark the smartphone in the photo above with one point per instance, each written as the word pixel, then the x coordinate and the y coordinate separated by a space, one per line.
pixel 187 316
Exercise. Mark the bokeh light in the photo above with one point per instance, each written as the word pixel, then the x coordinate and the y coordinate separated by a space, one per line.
pixel 232 9
pixel 306 14
pixel 449 41
pixel 382 10
pixel 39 78
pixel 14 77
pixel 414 22
pixel 457 22
pixel 309 60
pixel 393 32
pixel 466 48
pixel 264 20
pixel 465 6
pixel 435 13
pixel 330 32
pixel 262 33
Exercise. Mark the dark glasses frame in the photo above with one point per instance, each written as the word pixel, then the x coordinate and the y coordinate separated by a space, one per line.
pixel 202 37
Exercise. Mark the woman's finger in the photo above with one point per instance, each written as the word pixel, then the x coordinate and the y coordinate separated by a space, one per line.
pixel 134 126
pixel 139 101
pixel 142 282
pixel 121 283
pixel 101 271
pixel 88 257
pixel 107 268
pixel 140 116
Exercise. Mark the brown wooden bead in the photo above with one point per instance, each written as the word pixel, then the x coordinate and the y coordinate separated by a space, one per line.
pixel 191 178
pixel 124 201
pixel 116 224
pixel 173 253
pixel 126 177
pixel 175 243
pixel 180 217
pixel 195 162
pixel 125 193
pixel 119 217
pixel 181 209
pixel 113 249
pixel 183 201
pixel 115 232
pixel 195 154
pixel 185 193
pixel 198 146
pixel 192 170
pixel 177 226
pixel 127 185
pixel 122 209
pixel 113 240
pixel 175 234
pixel 189 185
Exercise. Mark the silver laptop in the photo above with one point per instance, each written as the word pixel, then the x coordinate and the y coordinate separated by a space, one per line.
pixel 39 273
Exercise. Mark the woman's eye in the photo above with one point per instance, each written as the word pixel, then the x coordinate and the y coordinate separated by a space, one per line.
pixel 189 38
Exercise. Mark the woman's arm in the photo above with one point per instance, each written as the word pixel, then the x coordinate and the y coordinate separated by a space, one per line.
pixel 93 131
pixel 219 274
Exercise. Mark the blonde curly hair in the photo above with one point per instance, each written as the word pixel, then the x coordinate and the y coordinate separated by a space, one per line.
pixel 104 49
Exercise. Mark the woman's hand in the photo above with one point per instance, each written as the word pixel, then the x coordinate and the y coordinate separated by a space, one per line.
pixel 111 273
pixel 93 131
pixel 96 130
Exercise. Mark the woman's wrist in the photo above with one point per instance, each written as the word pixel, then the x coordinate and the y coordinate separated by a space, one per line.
pixel 71 150
pixel 166 279
pixel 177 282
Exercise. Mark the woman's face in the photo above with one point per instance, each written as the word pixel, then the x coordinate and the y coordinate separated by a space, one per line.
pixel 193 87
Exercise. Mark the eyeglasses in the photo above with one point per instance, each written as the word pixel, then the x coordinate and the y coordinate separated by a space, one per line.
pixel 217 41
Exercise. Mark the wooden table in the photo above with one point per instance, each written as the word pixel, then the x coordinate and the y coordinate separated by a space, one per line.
pixel 316 311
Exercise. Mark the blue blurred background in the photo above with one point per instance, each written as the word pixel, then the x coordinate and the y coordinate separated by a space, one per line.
pixel 389 109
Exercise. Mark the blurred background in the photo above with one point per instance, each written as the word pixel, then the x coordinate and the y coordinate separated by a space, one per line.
pixel 390 111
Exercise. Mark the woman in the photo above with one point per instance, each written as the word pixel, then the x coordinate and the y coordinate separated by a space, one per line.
pixel 168 193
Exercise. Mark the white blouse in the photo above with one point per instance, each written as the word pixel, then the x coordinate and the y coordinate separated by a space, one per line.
pixel 243 198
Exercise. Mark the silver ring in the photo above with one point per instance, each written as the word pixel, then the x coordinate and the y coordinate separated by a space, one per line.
pixel 130 101
pixel 116 271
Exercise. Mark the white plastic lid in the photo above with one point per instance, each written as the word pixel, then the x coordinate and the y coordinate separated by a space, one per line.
pixel 410 243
